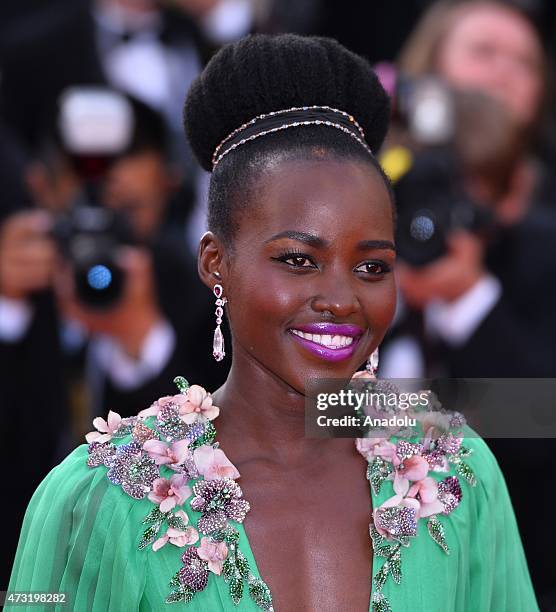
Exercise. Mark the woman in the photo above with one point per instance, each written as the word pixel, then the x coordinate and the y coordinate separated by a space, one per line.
pixel 490 47
pixel 300 252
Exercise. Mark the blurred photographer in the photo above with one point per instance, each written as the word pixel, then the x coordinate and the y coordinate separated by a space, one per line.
pixel 481 54
pixel 32 394
pixel 477 227
pixel 125 283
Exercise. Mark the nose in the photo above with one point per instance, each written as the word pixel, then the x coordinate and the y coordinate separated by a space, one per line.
pixel 335 295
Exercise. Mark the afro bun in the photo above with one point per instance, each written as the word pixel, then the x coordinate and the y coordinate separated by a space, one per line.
pixel 262 73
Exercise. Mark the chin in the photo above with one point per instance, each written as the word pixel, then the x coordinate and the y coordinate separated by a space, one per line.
pixel 306 375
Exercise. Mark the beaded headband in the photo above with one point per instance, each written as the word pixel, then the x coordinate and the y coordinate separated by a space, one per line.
pixel 288 118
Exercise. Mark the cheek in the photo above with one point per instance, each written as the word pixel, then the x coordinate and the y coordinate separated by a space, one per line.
pixel 467 71
pixel 262 303
pixel 380 305
pixel 528 90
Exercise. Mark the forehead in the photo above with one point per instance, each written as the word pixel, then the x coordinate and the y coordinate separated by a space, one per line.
pixel 495 24
pixel 334 199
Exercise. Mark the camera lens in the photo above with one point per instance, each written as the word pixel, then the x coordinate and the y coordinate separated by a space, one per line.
pixel 99 284
pixel 421 234
pixel 99 277
pixel 89 238
pixel 422 228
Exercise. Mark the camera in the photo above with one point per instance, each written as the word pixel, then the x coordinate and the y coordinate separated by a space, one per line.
pixel 89 238
pixel 444 137
pixel 95 125
pixel 432 203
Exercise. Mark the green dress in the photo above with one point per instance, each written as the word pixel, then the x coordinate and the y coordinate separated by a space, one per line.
pixel 82 534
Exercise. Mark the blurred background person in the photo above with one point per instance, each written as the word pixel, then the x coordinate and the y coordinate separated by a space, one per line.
pixel 33 399
pixel 148 48
pixel 123 357
pixel 477 222
pixel 97 284
pixel 127 207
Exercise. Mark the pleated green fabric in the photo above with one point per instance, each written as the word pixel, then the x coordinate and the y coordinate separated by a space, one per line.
pixel 486 569
pixel 81 533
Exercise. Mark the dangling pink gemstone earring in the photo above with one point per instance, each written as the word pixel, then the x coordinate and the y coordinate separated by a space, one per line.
pixel 218 342
pixel 372 363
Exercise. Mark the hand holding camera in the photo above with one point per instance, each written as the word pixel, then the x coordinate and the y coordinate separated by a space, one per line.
pixel 446 278
pixel 27 254
pixel 128 320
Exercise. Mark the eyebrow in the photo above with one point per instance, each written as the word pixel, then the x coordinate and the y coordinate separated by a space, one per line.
pixel 317 242
pixel 366 245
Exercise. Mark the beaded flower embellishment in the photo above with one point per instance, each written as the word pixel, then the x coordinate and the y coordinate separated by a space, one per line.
pixel 417 495
pixel 172 458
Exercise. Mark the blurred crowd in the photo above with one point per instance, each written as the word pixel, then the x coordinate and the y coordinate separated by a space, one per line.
pixel 102 206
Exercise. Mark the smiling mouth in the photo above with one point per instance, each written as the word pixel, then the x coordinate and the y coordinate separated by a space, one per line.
pixel 327 340
pixel 328 346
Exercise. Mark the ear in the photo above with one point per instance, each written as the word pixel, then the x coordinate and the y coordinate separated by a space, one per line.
pixel 211 264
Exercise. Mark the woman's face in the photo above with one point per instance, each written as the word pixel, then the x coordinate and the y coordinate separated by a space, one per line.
pixel 493 50
pixel 310 288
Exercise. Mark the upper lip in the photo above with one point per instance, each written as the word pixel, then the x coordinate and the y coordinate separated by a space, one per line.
pixel 333 329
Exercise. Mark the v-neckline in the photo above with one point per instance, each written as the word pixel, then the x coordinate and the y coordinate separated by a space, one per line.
pixel 248 552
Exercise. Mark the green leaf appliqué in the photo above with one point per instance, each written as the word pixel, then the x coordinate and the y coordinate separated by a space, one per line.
pixel 236 589
pixel 464 470
pixel 436 530
pixel 380 603
pixel 149 535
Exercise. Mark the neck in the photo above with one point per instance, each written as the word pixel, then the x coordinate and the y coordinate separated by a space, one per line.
pixel 263 418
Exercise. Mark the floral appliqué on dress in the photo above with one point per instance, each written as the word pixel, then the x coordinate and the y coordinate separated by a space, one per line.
pixel 417 495
pixel 171 457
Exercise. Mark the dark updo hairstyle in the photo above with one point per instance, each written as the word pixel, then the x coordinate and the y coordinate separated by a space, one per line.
pixel 262 73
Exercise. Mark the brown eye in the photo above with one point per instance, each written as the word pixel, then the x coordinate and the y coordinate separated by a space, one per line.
pixel 296 260
pixel 299 261
pixel 374 268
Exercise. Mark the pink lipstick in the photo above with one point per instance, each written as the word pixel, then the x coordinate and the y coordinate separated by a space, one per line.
pixel 329 341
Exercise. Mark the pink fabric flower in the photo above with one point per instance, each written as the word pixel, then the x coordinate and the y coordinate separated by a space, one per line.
pixel 363 374
pixel 414 468
pixel 213 552
pixel 178 537
pixel 434 424
pixel 427 489
pixel 198 404
pixel 377 447
pixel 170 493
pixel 427 504
pixel 212 463
pixel 105 429
pixel 165 454
pixel 162 402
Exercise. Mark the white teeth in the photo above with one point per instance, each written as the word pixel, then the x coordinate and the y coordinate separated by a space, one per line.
pixel 333 342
